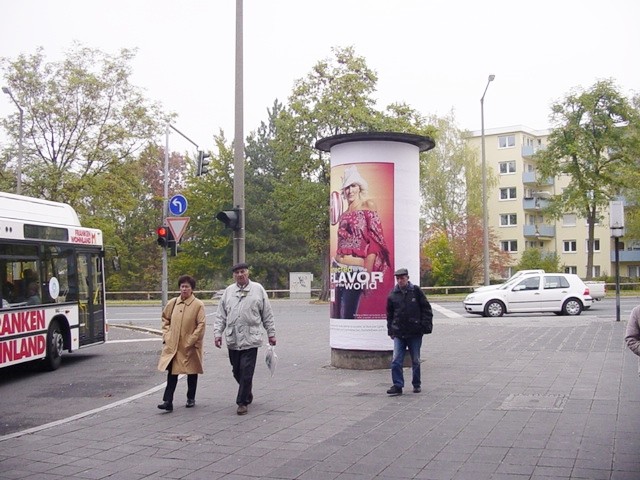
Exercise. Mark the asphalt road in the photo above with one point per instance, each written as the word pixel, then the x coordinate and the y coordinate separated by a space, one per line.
pixel 126 365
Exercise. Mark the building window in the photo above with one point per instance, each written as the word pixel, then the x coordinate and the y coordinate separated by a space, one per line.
pixel 634 271
pixel 596 245
pixel 506 141
pixel 595 272
pixel 569 246
pixel 508 219
pixel 507 167
pixel 509 245
pixel 570 269
pixel 569 220
pixel 508 193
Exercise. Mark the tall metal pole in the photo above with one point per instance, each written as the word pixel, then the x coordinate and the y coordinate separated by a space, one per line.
pixel 20 141
pixel 617 246
pixel 485 213
pixel 165 207
pixel 238 144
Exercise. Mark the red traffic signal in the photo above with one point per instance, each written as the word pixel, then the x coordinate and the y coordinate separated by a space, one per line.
pixel 163 236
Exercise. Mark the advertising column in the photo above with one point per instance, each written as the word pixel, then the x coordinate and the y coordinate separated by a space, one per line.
pixel 374 230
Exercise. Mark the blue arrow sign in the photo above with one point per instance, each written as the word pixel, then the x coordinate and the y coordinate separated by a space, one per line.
pixel 178 205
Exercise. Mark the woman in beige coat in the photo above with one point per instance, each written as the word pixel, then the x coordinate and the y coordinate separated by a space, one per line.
pixel 183 324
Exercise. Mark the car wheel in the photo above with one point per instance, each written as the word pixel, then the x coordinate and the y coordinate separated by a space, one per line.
pixel 494 308
pixel 55 345
pixel 572 306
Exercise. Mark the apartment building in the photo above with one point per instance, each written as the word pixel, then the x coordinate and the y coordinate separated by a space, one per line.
pixel 515 209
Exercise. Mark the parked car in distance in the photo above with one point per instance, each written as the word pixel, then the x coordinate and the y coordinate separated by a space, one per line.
pixel 597 290
pixel 513 277
pixel 560 293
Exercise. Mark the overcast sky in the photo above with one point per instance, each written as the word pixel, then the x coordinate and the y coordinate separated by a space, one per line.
pixel 434 55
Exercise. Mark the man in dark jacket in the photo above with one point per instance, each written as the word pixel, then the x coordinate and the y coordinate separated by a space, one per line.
pixel 409 316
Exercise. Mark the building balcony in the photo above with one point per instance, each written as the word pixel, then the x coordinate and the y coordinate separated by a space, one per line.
pixel 530 150
pixel 534 203
pixel 532 178
pixel 540 230
pixel 626 256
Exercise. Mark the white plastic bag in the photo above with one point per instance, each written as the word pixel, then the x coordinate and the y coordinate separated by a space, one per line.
pixel 271 359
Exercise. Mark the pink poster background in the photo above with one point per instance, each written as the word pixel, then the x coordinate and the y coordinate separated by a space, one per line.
pixel 380 179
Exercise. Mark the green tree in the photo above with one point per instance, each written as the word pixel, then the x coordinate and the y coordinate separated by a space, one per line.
pixel 595 143
pixel 440 260
pixel 207 247
pixel 335 97
pixel 83 120
pixel 449 177
pixel 130 226
pixel 273 251
pixel 535 258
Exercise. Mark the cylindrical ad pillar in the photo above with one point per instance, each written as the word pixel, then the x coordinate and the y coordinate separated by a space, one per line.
pixel 374 230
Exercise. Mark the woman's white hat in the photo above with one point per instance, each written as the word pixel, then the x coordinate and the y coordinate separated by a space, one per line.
pixel 351 176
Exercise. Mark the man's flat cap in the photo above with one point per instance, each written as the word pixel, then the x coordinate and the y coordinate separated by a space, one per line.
pixel 401 271
pixel 239 266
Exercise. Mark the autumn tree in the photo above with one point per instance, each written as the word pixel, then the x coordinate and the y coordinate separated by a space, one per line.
pixel 594 143
pixel 450 180
pixel 83 121
pixel 454 256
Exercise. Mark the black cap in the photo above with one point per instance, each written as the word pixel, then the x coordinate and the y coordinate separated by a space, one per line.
pixel 239 266
pixel 401 271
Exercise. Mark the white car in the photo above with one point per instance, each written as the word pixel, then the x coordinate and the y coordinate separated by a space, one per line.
pixel 518 274
pixel 560 293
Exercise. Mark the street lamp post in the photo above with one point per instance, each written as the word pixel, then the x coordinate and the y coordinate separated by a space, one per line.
pixel 238 142
pixel 616 224
pixel 485 213
pixel 20 141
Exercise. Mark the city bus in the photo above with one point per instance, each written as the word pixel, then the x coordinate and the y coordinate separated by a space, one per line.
pixel 52 279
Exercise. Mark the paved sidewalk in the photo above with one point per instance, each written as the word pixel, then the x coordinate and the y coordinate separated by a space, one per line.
pixel 509 398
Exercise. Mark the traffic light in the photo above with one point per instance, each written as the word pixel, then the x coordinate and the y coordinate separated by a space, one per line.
pixel 163 236
pixel 230 218
pixel 203 162
pixel 174 246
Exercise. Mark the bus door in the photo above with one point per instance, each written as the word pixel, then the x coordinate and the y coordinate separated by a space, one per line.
pixel 91 298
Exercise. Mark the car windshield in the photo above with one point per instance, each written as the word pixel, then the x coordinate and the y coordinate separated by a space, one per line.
pixel 508 283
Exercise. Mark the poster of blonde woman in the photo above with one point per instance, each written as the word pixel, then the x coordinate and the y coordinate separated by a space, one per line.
pixel 361 240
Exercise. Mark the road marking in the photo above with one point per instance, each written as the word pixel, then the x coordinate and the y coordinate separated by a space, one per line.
pixel 445 311
pixel 84 414
pixel 156 339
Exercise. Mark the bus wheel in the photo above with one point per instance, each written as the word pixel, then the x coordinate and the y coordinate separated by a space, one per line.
pixel 55 345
